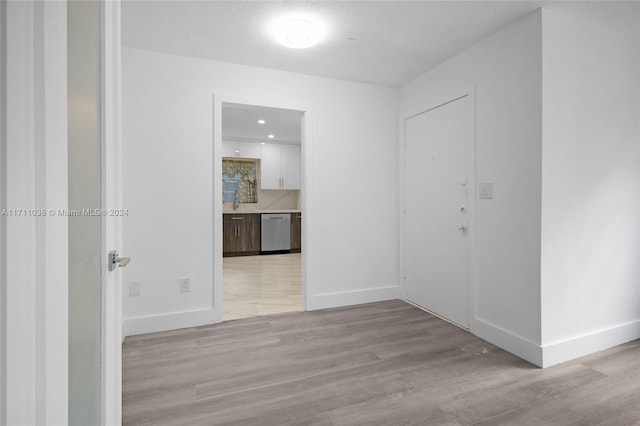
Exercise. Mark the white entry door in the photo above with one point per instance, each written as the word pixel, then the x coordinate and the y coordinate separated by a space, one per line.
pixel 438 160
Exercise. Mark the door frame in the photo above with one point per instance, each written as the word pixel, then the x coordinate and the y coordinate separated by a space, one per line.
pixel 305 187
pixel 432 103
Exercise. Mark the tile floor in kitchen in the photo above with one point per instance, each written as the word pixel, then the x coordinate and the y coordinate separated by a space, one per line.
pixel 261 285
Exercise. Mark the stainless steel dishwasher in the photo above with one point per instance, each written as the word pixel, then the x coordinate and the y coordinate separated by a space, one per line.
pixel 275 232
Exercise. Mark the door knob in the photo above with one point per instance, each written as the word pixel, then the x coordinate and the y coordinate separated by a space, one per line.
pixel 462 226
pixel 116 261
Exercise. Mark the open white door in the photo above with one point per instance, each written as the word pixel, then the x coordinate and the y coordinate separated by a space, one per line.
pixel 114 212
pixel 95 288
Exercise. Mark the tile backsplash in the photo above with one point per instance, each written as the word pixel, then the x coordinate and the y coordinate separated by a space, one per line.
pixel 269 199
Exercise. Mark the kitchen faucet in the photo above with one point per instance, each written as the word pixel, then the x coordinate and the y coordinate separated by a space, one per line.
pixel 236 199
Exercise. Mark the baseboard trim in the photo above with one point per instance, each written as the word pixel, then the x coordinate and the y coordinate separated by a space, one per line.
pixel 585 344
pixel 168 321
pixel 354 297
pixel 509 341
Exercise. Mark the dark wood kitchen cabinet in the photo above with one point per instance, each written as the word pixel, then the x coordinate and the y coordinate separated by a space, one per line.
pixel 296 232
pixel 241 234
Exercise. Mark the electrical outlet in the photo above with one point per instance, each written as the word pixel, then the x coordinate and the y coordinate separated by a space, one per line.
pixel 185 285
pixel 134 288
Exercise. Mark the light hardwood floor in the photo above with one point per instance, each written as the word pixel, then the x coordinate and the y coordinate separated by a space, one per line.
pixel 386 363
pixel 261 285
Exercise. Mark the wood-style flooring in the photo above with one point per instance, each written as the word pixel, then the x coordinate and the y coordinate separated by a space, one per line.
pixel 386 363
pixel 261 285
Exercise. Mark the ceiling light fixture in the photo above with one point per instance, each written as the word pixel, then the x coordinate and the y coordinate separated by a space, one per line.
pixel 261 121
pixel 271 136
pixel 298 32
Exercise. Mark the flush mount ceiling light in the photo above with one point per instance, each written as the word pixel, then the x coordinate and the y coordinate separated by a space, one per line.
pixel 298 32
pixel 261 121
pixel 271 136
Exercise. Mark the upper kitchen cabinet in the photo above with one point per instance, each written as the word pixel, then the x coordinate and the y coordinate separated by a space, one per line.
pixel 270 166
pixel 280 166
pixel 290 166
pixel 271 134
pixel 240 149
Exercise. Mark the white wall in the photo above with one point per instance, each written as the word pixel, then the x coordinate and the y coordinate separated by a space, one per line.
pixel 349 198
pixel 557 132
pixel 590 251
pixel 557 110
pixel 506 71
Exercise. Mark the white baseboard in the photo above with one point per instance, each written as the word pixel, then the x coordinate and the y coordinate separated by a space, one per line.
pixel 510 342
pixel 354 297
pixel 556 352
pixel 168 321
pixel 585 344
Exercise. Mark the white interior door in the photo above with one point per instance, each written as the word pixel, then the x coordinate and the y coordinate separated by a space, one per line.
pixel 438 146
pixel 115 212
pixel 86 230
pixel 95 288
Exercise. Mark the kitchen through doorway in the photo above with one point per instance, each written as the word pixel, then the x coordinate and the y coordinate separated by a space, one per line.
pixel 262 210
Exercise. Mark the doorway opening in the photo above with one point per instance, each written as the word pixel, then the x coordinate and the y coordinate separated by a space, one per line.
pixel 262 210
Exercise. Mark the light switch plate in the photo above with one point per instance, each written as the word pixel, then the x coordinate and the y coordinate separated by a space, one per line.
pixel 485 191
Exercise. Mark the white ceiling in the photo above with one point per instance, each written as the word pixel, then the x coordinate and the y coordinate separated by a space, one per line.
pixel 381 42
pixel 240 123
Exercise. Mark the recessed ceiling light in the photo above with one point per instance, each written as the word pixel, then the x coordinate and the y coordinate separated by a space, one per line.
pixel 261 121
pixel 261 143
pixel 271 136
pixel 298 32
